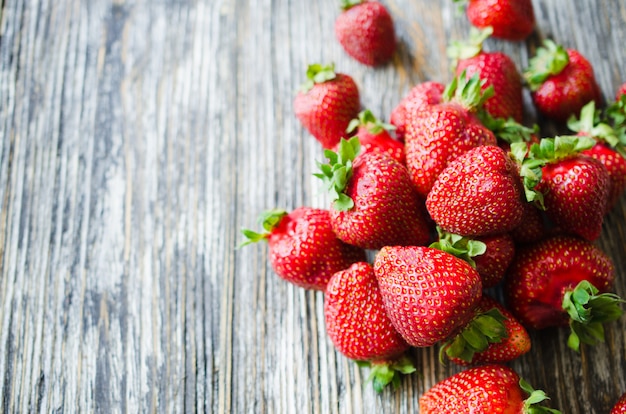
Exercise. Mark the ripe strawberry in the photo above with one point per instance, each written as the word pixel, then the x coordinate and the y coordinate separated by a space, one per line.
pixel 496 69
pixel 326 104
pixel 621 91
pixel 609 150
pixel 374 202
pixel 484 390
pixel 421 95
pixel 533 226
pixel 561 80
pixel 515 341
pixel 563 280
pixel 510 19
pixel 489 255
pixel 572 187
pixel 374 135
pixel 365 31
pixel 439 133
pixel 430 295
pixel 620 405
pixel 303 248
pixel 350 295
pixel 477 194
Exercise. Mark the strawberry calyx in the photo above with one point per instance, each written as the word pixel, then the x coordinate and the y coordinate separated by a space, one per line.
pixel 367 119
pixel 467 92
pixel 535 397
pixel 484 329
pixel 317 73
pixel 589 310
pixel 347 4
pixel 532 159
pixel 336 173
pixel 460 50
pixel 549 60
pixel 383 373
pixel 590 123
pixel 508 130
pixel 462 247
pixel 269 220
pixel 616 112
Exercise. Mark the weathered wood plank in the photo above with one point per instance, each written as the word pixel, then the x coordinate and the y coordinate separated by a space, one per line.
pixel 138 136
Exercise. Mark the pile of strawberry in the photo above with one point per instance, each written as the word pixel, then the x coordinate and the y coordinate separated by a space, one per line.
pixel 458 203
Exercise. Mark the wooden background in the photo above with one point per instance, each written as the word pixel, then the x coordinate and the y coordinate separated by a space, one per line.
pixel 139 136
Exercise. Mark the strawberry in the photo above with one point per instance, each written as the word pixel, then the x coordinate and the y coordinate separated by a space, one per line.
pixel 609 150
pixel 496 69
pixel 489 255
pixel 621 91
pixel 420 96
pixel 429 295
pixel 573 187
pixel 326 103
pixel 620 405
pixel 486 389
pixel 351 294
pixel 477 194
pixel 365 31
pixel 303 248
pixel 374 203
pixel 515 341
pixel 563 280
pixel 562 81
pixel 374 135
pixel 533 226
pixel 510 19
pixel 439 133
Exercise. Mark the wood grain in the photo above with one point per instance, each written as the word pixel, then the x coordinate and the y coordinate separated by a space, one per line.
pixel 139 136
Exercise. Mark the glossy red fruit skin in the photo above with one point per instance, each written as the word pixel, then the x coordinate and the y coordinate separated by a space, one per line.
pixel 514 345
pixel 436 136
pixel 305 251
pixel 564 94
pixel 428 294
pixel 486 389
pixel 387 210
pixel 383 141
pixel 498 70
pixel 615 165
pixel 420 96
pixel 366 32
pixel 541 273
pixel 492 265
pixel 620 405
pixel 477 194
pixel 576 192
pixel 327 109
pixel 620 91
pixel 356 320
pixel 511 19
pixel 532 227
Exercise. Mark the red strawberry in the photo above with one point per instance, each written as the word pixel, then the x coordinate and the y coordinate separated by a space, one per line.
pixel 561 80
pixel 532 227
pixel 483 390
pixel 421 95
pixel 609 150
pixel 439 133
pixel 374 202
pixel 326 104
pixel 515 341
pixel 303 248
pixel 497 70
pixel 510 19
pixel 350 295
pixel 430 295
pixel 563 280
pixel 477 194
pixel 374 135
pixel 574 187
pixel 365 31
pixel 620 405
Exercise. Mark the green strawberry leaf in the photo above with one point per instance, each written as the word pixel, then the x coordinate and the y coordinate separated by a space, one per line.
pixel 549 60
pixel 467 92
pixel 338 171
pixel 383 373
pixel 460 50
pixel 269 219
pixel 507 130
pixel 317 73
pixel 367 119
pixel 347 4
pixel 535 397
pixel 589 310
pixel 462 247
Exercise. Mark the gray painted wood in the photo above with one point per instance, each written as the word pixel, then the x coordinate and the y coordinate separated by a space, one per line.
pixel 139 136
